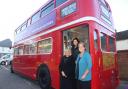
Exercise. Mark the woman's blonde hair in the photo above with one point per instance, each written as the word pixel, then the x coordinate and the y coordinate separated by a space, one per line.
pixel 67 50
pixel 82 44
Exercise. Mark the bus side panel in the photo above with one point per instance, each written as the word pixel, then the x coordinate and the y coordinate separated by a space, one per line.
pixel 55 59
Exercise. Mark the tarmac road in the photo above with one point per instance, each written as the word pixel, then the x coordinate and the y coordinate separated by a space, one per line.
pixel 14 81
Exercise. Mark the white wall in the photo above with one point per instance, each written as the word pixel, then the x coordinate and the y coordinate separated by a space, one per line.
pixel 5 50
pixel 122 45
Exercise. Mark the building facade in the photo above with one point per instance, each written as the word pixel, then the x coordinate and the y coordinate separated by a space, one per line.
pixel 5 47
pixel 122 48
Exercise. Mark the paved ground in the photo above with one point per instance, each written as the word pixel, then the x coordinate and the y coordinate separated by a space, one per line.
pixel 14 81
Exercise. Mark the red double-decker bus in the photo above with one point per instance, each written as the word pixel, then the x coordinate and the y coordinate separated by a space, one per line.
pixel 42 38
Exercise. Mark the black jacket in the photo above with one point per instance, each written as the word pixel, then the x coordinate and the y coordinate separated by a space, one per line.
pixel 75 52
pixel 68 66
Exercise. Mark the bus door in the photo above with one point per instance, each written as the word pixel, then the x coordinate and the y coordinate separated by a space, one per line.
pixel 80 32
pixel 97 66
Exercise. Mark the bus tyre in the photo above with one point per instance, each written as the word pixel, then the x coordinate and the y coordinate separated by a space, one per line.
pixel 44 78
pixel 11 69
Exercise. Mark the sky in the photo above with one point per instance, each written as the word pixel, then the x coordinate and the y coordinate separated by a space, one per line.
pixel 14 12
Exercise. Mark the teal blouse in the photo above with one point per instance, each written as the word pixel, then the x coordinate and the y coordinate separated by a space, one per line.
pixel 82 64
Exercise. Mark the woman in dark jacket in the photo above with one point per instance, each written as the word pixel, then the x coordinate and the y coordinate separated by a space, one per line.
pixel 75 49
pixel 66 71
pixel 75 53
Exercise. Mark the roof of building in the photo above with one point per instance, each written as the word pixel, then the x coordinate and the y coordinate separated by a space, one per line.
pixel 123 35
pixel 6 43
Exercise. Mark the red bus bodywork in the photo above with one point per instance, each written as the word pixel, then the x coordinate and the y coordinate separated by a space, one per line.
pixel 89 12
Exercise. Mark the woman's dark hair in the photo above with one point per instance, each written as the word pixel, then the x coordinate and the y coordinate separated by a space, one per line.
pixel 75 39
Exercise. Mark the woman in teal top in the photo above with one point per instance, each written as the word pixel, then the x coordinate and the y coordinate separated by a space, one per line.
pixel 83 68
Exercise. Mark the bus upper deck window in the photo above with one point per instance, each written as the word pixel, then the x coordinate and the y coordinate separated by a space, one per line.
pixel 36 17
pixel 47 9
pixel 59 2
pixel 28 22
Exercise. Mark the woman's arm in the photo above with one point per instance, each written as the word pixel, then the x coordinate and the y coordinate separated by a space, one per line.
pixel 85 74
pixel 61 67
pixel 61 64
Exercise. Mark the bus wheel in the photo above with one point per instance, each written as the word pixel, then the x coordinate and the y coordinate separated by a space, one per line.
pixel 44 78
pixel 11 68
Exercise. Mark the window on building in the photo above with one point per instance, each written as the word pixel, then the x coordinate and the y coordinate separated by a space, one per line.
pixel 112 44
pixel 36 17
pixel 103 42
pixel 45 46
pixel 47 9
pixel 95 40
pixel 59 2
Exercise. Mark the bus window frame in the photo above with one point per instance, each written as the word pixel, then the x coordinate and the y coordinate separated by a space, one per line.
pixel 69 28
pixel 21 46
pixel 51 46
pixel 109 44
pixel 24 24
pixel 29 49
pixel 37 13
pixel 18 30
pixel 104 16
pixel 60 4
pixel 29 22
pixel 98 39
pixel 46 7
pixel 25 49
pixel 104 51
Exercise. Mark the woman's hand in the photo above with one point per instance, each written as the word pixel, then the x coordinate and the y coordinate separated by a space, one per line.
pixel 63 74
pixel 83 76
